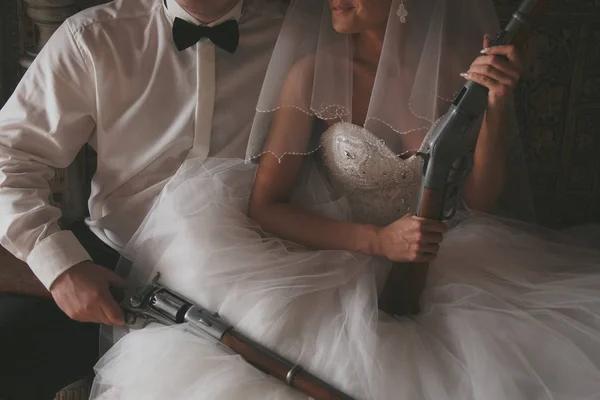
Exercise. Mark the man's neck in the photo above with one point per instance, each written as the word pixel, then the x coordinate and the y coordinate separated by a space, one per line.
pixel 207 11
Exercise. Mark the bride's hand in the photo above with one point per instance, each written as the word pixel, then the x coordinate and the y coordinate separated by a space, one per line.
pixel 410 238
pixel 499 69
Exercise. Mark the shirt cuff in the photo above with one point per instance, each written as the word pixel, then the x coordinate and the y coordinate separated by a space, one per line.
pixel 54 255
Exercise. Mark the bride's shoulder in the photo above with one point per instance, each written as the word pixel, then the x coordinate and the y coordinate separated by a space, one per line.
pixel 304 69
pixel 298 79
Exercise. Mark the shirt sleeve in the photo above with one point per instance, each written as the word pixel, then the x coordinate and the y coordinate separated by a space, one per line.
pixel 44 124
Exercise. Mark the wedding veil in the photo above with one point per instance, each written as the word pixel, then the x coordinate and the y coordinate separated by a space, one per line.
pixel 427 44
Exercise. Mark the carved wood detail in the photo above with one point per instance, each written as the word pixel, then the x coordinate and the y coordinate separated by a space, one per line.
pixel 47 16
pixel 559 112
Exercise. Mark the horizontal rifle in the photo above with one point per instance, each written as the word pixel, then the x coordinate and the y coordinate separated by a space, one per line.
pixel 155 303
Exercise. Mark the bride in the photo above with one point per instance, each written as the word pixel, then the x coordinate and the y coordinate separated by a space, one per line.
pixel 294 248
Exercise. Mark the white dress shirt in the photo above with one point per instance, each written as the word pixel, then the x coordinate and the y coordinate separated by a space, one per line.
pixel 112 77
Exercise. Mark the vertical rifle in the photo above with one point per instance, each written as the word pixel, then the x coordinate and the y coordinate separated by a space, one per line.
pixel 445 151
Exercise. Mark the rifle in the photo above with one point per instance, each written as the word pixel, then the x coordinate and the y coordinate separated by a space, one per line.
pixel 155 303
pixel 447 162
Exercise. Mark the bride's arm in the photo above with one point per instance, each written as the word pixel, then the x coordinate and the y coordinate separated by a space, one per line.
pixel 277 176
pixel 275 182
pixel 484 185
pixel 499 70
pixel 407 239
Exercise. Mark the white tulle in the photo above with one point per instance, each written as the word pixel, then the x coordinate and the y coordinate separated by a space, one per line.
pixel 510 312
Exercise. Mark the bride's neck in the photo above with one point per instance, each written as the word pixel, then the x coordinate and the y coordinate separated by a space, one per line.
pixel 367 46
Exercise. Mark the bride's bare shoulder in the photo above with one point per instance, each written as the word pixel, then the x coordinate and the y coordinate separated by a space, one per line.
pixel 303 71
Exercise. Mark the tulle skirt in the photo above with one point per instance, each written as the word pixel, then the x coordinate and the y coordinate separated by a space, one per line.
pixel 510 311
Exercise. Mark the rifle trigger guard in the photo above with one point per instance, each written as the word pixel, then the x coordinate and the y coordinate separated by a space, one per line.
pixel 452 212
pixel 136 321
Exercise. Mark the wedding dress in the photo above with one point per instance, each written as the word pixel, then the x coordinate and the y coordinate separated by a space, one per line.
pixel 509 312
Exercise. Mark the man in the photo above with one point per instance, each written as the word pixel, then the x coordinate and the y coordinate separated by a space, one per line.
pixel 146 87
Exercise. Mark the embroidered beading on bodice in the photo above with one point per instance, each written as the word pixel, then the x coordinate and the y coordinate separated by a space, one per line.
pixel 380 186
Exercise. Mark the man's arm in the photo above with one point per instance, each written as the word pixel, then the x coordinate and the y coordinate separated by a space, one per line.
pixel 17 278
pixel 43 125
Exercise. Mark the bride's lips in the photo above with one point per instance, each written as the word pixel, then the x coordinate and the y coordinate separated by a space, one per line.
pixel 341 6
pixel 340 10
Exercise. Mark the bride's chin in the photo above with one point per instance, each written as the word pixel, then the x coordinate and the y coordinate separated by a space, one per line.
pixel 343 24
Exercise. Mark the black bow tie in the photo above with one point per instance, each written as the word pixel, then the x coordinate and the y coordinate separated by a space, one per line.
pixel 225 35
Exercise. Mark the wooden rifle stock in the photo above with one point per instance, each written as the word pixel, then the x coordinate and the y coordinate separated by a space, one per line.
pixel 406 281
pixel 279 368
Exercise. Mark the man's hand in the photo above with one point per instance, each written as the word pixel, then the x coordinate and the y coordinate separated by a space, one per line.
pixel 83 293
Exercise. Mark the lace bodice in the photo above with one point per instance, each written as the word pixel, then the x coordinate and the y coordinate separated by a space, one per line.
pixel 380 186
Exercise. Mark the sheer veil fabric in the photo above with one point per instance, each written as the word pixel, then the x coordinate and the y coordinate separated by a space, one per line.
pixel 313 71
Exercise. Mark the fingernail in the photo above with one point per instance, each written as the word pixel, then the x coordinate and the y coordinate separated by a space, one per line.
pixel 485 51
pixel 464 74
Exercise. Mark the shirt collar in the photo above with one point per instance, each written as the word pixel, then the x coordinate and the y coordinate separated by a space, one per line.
pixel 174 10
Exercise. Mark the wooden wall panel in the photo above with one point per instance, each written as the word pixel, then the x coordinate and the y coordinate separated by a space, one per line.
pixel 559 112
